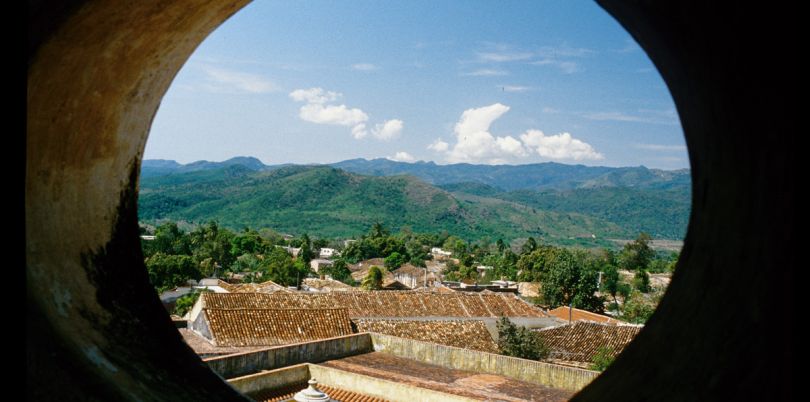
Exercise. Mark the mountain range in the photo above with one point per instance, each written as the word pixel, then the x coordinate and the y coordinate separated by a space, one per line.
pixel 557 203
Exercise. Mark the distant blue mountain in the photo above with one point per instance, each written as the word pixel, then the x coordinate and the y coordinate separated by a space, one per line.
pixel 162 167
pixel 550 201
pixel 537 176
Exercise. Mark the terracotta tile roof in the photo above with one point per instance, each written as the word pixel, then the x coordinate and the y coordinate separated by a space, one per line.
pixel 394 285
pixel 204 348
pixel 468 334
pixel 264 287
pixel 384 303
pixel 361 273
pixel 410 270
pixel 580 341
pixel 287 393
pixel 365 264
pixel 270 327
pixel 327 285
pixel 583 315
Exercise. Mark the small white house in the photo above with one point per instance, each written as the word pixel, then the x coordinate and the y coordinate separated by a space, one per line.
pixel 436 251
pixel 328 253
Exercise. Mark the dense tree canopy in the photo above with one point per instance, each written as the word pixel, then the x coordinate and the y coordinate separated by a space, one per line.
pixel 567 276
pixel 519 341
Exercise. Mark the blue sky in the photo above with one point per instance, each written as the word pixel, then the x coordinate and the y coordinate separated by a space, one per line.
pixel 446 81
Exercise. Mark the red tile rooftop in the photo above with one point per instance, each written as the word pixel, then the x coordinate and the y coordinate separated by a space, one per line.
pixel 580 341
pixel 203 347
pixel 288 392
pixel 270 327
pixel 582 315
pixel 386 303
pixel 468 334
pixel 472 385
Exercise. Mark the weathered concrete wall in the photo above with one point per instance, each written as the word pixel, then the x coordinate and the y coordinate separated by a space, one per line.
pixel 550 375
pixel 389 390
pixel 96 75
pixel 200 326
pixel 241 364
pixel 97 71
pixel 272 379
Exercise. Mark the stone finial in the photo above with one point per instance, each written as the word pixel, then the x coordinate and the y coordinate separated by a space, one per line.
pixel 311 393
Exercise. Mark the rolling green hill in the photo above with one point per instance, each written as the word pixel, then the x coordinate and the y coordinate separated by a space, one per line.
pixel 329 202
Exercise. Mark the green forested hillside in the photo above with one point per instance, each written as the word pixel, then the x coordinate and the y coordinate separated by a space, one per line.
pixel 330 202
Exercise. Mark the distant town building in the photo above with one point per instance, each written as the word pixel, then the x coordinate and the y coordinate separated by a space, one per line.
pixel 566 313
pixel 529 289
pixel 293 251
pixel 483 269
pixel 415 277
pixel 505 284
pixel 319 263
pixel 440 254
pixel 147 237
pixel 325 285
pixel 328 253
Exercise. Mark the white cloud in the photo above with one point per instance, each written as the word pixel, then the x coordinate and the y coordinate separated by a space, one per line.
pixel 658 147
pixel 516 88
pixel 316 110
pixel 474 142
pixel 330 114
pixel 222 80
pixel 510 146
pixel 564 50
pixel 567 67
pixel 560 146
pixel 359 131
pixel 364 67
pixel 668 117
pixel 314 95
pixel 388 130
pixel 500 57
pixel 486 73
pixel 402 156
pixel 439 145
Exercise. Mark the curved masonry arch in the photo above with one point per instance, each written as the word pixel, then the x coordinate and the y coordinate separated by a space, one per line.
pixel 97 71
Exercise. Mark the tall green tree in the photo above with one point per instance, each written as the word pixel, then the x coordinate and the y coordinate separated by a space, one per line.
pixel 567 277
pixel 637 254
pixel 167 271
pixel 306 254
pixel 373 280
pixel 394 261
pixel 279 267
pixel 519 341
pixel 641 281
pixel 209 241
pixel 529 246
pixel 339 271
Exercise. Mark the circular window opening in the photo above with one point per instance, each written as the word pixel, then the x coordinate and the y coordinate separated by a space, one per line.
pixel 550 167
pixel 93 332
